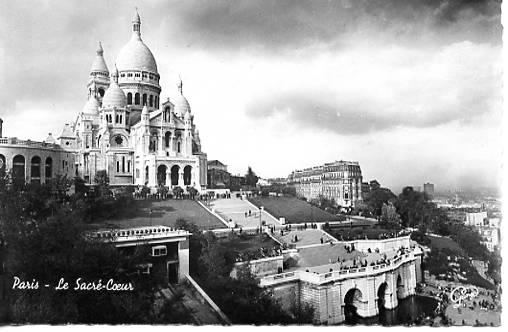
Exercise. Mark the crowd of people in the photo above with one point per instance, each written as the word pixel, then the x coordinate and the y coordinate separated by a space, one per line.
pixel 258 254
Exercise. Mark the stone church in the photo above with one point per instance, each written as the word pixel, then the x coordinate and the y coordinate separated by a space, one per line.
pixel 124 128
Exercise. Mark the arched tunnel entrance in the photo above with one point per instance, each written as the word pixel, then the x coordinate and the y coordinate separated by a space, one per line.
pixel 352 302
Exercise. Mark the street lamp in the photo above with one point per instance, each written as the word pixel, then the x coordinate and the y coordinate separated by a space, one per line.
pixel 260 222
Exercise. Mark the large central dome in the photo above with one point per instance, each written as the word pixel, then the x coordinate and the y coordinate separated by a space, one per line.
pixel 135 55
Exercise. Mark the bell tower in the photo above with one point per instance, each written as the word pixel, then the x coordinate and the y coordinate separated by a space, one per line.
pixel 98 81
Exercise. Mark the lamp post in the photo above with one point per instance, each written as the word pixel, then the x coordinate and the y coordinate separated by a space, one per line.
pixel 260 222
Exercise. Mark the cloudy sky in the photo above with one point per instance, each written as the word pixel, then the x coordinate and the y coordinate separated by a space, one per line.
pixel 409 88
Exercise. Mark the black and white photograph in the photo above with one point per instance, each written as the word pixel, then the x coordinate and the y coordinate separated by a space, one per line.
pixel 251 162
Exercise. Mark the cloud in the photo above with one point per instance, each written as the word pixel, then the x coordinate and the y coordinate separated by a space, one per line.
pixel 289 25
pixel 378 91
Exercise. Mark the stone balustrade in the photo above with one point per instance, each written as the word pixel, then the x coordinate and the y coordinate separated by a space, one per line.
pixel 29 143
pixel 320 278
pixel 133 234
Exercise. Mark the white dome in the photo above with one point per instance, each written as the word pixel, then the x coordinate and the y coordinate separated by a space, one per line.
pixel 114 96
pixel 91 106
pixel 181 105
pixel 136 56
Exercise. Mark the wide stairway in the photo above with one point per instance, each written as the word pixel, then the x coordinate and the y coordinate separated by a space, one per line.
pixel 235 208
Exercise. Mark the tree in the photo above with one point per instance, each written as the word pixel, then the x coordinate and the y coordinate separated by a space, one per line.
pixel 389 216
pixel 251 178
pixel 102 182
pixel 177 192
pixel 192 192
pixel 48 246
pixel 377 197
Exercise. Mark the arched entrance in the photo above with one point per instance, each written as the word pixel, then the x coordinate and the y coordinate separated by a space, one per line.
pixel 161 175
pixel 48 168
pixel 352 302
pixel 381 296
pixel 3 165
pixel 35 169
pixel 18 168
pixel 174 175
pixel 187 175
pixel 400 288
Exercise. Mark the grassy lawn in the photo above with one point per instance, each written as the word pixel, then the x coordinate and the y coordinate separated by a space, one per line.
pixel 247 243
pixel 352 233
pixel 166 213
pixel 444 242
pixel 293 209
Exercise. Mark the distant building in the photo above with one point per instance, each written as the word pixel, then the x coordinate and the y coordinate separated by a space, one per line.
pixel 490 237
pixel 217 175
pixel 428 188
pixel 339 180
pixel 476 218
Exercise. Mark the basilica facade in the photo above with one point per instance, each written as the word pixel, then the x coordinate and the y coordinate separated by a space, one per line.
pixel 125 128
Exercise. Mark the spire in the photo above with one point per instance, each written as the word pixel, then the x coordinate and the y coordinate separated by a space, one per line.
pixel 100 51
pixel 114 75
pixel 180 86
pixel 136 23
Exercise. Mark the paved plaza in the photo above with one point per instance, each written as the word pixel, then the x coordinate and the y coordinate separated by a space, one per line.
pixel 304 238
pixel 235 209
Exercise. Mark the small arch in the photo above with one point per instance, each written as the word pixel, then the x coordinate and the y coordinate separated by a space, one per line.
pixel 136 99
pixel 352 301
pixel 167 138
pixel 48 168
pixel 174 175
pixel 18 167
pixel 400 288
pixel 161 175
pixel 187 171
pixel 35 168
pixel 101 92
pixel 144 99
pixel 381 295
pixel 129 98
pixel 3 165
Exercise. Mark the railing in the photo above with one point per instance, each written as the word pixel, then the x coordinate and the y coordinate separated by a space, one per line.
pixel 139 233
pixel 15 141
pixel 318 278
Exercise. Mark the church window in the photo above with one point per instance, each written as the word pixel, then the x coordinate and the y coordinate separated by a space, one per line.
pixel 101 92
pixel 146 175
pixel 129 98
pixel 116 118
pixel 123 164
pixel 137 75
pixel 128 166
pixel 168 136
pixel 137 173
pixel 118 166
pixel 144 99
pixel 122 75
pixel 156 102
pixel 118 140
pixel 129 75
pixel 151 101
pixel 136 99
pixel 179 145
pixel 121 118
